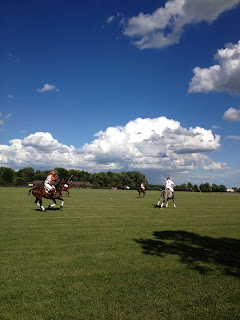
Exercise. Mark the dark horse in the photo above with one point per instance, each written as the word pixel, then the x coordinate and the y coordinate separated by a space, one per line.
pixel 40 192
pixel 67 185
pixel 164 197
pixel 143 191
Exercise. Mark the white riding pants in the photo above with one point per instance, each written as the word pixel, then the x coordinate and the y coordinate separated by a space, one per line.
pixel 48 186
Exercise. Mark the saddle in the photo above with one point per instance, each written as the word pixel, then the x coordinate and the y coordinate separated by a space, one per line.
pixel 50 191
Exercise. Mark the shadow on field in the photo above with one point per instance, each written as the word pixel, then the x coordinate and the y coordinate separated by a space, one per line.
pixel 48 209
pixel 201 253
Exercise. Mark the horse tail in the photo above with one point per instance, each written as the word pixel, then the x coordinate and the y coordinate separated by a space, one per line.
pixel 29 192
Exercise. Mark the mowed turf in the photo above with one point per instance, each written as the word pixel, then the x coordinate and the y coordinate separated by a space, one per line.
pixel 110 255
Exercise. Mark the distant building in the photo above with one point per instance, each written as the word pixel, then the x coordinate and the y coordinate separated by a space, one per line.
pixel 37 183
pixel 80 184
pixel 230 190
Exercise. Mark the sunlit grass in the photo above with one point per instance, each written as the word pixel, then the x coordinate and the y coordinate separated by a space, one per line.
pixel 110 255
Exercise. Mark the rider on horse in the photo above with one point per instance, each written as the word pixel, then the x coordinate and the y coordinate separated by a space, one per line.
pixel 143 186
pixel 48 182
pixel 169 185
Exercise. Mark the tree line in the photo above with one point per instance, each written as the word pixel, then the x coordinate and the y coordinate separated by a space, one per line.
pixel 132 179
pixel 109 179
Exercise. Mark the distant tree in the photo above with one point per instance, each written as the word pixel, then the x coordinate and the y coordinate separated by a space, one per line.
pixel 126 181
pixel 62 173
pixel 39 175
pixel 156 187
pixel 222 188
pixel 215 188
pixel 205 187
pixel 195 188
pixel 8 175
pixel 79 175
pixel 27 174
pixel 189 186
pixel 18 181
pixel 235 189
pixel 183 187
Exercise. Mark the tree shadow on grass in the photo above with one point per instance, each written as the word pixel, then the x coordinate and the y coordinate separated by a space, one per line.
pixel 201 253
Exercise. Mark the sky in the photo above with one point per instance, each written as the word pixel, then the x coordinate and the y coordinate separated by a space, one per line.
pixel 102 85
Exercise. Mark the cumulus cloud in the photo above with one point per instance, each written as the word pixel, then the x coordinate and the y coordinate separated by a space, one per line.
pixel 48 87
pixel 165 26
pixel 224 76
pixel 232 115
pixel 142 144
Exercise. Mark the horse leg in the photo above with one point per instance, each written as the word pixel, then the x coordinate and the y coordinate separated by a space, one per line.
pixel 52 205
pixel 62 202
pixel 162 204
pixel 37 203
pixel 174 203
pixel 167 204
pixel 41 205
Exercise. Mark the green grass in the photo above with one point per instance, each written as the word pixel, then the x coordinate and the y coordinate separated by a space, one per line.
pixel 110 255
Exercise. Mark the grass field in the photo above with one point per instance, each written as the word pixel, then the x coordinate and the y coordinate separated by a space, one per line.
pixel 110 255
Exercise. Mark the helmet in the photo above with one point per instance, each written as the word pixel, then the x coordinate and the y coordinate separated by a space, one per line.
pixel 52 172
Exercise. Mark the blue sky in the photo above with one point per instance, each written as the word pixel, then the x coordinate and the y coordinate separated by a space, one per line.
pixel 152 86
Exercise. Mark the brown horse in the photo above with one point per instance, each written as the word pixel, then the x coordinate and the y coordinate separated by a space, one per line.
pixel 164 197
pixel 40 192
pixel 143 191
pixel 68 185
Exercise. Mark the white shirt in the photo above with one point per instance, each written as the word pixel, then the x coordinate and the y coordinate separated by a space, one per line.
pixel 169 183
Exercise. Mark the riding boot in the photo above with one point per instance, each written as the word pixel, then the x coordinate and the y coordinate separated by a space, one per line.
pixel 173 195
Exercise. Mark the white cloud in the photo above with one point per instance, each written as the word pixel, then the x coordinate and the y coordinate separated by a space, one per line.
pixel 165 26
pixel 1 120
pixel 224 76
pixel 11 97
pixel 8 116
pixel 110 19
pixel 48 87
pixel 233 138
pixel 232 115
pixel 143 144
